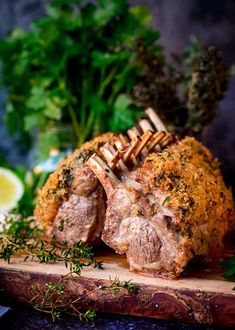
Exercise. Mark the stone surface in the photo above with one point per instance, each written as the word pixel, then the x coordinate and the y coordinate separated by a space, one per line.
pixel 26 318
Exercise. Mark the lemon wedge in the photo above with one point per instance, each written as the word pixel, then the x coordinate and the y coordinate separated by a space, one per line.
pixel 11 190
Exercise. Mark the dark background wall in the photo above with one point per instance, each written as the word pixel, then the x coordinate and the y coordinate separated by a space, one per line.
pixel 213 21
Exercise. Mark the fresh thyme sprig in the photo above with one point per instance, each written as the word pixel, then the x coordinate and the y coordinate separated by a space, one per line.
pixel 116 286
pixel 54 300
pixel 20 226
pixel 16 234
pixel 23 236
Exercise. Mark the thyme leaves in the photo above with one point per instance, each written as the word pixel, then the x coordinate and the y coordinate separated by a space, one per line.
pixel 22 236
pixel 54 298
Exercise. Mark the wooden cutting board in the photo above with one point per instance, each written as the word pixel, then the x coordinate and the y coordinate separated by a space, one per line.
pixel 203 297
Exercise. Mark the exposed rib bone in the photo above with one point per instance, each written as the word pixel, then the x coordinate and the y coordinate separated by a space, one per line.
pixel 103 172
pixel 156 138
pixel 113 156
pixel 117 140
pixel 107 153
pixel 155 120
pixel 120 140
pixel 144 140
pixel 134 144
pixel 133 132
pixel 145 125
pixel 122 148
pixel 168 139
pixel 129 150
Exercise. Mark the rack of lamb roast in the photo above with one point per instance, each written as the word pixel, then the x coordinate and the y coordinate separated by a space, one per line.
pixel 72 203
pixel 160 200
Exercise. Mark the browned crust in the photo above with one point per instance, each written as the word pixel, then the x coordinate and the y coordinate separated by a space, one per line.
pixel 190 178
pixel 59 183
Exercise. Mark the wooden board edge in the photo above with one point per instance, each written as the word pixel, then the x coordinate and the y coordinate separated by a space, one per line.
pixel 192 306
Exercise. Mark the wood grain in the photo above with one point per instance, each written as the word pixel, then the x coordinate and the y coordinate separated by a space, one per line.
pixel 202 298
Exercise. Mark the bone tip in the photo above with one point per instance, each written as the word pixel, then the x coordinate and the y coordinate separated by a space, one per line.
pixel 92 159
pixel 149 111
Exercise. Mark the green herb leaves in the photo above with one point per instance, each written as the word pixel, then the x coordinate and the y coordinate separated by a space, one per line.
pixel 199 75
pixel 93 68
pixel 116 286
pixel 208 82
pixel 70 68
pixel 54 299
pixel 16 234
pixel 23 236
pixel 229 268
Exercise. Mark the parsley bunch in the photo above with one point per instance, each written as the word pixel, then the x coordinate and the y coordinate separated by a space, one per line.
pixel 69 77
pixel 91 67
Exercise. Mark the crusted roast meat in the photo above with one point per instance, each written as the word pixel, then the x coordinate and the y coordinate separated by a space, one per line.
pixel 168 211
pixel 71 205
pixel 164 207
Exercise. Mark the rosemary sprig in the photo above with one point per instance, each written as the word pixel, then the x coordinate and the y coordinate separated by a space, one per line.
pixel 54 300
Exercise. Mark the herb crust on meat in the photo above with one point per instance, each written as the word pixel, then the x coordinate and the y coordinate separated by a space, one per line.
pixel 189 181
pixel 71 180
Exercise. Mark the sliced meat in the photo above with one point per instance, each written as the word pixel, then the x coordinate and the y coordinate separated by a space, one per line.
pixel 173 208
pixel 71 205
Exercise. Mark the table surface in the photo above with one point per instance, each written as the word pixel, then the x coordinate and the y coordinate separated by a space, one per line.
pixel 24 317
